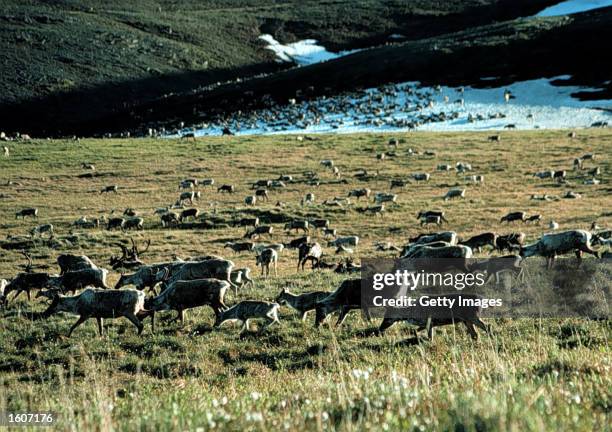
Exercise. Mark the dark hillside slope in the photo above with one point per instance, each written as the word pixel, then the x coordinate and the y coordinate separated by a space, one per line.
pixel 70 62
pixel 516 50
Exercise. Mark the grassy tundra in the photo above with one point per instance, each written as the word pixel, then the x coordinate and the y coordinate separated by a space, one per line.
pixel 530 375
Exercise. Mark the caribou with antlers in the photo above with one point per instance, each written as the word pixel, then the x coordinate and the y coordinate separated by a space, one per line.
pixel 130 257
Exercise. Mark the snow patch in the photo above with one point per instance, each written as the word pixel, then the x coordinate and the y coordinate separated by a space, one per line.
pixel 573 6
pixel 534 104
pixel 304 52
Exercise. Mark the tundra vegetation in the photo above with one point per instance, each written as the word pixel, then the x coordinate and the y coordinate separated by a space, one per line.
pixel 527 375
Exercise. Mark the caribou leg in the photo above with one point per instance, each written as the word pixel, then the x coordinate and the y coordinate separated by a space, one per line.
pixel 579 257
pixel 471 330
pixel 136 322
pixel 80 321
pixel 100 329
pixel 587 249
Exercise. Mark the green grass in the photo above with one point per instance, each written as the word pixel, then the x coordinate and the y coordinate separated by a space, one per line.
pixel 530 375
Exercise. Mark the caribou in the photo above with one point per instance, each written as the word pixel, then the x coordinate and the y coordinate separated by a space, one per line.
pixel 510 241
pixel 345 298
pixel 309 252
pixel 68 262
pixel 428 317
pixel 41 229
pixel 551 245
pixel 75 280
pixel 27 212
pixel 481 240
pixel 426 214
pixel 248 310
pixel 214 268
pixel 258 231
pixel 266 258
pixel 302 303
pixel 99 304
pixel 188 294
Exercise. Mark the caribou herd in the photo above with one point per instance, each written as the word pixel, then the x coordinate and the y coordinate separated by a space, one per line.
pixel 81 287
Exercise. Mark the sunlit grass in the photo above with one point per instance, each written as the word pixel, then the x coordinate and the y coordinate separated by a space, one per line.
pixel 530 375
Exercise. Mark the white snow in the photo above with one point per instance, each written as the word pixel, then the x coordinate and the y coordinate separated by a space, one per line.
pixel 303 52
pixel 573 6
pixel 537 104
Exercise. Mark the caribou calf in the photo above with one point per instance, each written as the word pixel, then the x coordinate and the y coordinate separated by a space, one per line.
pixel 496 265
pixel 241 277
pixel 262 194
pixel 421 177
pixel 537 218
pixel 428 317
pixel 296 243
pixel 437 220
pixel 319 223
pixel 248 310
pixel 189 196
pixel 303 303
pixel 358 193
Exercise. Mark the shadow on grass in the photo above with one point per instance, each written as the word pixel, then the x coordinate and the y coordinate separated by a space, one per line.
pixel 283 360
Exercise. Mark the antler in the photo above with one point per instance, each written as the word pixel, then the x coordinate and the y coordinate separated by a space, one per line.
pixel 28 266
pixel 137 252
pixel 142 252
pixel 130 256
pixel 117 262
pixel 124 251
pixel 147 247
